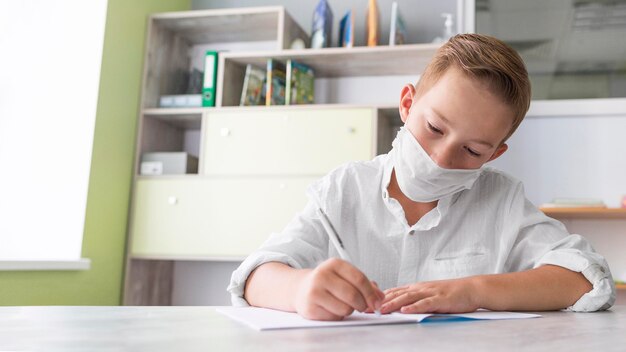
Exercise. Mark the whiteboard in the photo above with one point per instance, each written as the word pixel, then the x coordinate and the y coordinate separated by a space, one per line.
pixel 49 78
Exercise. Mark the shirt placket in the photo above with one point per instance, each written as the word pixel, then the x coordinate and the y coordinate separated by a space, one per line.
pixel 409 257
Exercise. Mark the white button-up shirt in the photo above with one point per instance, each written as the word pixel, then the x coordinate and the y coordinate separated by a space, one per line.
pixel 489 229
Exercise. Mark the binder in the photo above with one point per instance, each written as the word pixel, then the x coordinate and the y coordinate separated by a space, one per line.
pixel 210 78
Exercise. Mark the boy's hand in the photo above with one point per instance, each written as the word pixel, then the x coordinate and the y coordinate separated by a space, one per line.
pixel 334 290
pixel 445 296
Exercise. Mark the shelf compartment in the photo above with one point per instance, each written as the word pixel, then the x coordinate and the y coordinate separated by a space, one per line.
pixel 246 24
pixel 173 38
pixel 327 63
pixel 585 213
pixel 169 130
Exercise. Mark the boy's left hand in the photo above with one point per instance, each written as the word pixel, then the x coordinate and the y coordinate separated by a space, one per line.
pixel 445 296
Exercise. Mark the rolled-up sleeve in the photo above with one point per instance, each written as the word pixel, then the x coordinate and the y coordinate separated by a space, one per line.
pixel 302 244
pixel 541 240
pixel 575 253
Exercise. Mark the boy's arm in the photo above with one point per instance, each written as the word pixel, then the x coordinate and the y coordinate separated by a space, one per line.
pixel 272 285
pixel 548 287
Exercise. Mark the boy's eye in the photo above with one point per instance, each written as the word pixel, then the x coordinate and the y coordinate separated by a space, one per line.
pixel 434 129
pixel 473 153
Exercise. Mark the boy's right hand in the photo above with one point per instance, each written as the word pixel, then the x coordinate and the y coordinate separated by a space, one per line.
pixel 334 290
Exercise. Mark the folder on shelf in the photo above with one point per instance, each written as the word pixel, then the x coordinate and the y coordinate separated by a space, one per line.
pixel 210 78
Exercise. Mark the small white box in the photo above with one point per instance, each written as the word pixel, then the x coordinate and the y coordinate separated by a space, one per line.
pixel 151 168
pixel 168 163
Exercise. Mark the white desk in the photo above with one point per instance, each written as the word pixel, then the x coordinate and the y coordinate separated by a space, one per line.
pixel 203 329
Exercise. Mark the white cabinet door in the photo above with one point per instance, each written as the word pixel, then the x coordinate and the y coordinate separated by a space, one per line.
pixel 285 141
pixel 211 217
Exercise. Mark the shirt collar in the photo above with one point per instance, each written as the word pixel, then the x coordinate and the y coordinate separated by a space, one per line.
pixel 430 219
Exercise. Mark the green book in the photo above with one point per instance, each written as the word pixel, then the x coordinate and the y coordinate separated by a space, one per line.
pixel 210 78
pixel 300 83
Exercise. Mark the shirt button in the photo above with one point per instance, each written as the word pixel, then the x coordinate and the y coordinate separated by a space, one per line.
pixel 411 232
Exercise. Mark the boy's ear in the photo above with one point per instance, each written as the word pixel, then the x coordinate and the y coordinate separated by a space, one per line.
pixel 499 151
pixel 407 94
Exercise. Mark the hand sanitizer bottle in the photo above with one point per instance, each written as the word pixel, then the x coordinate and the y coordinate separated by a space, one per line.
pixel 447 30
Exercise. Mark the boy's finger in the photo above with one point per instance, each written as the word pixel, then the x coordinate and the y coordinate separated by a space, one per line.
pixel 381 294
pixel 345 292
pixel 393 294
pixel 426 305
pixel 404 299
pixel 320 313
pixel 335 306
pixel 400 288
pixel 354 276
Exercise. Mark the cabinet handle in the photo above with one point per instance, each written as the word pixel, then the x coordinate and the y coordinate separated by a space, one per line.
pixel 172 200
pixel 224 132
pixel 351 130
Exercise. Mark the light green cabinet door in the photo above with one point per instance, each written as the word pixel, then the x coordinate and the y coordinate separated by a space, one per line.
pixel 211 217
pixel 285 141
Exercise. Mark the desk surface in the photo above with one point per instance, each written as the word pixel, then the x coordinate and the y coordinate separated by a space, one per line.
pixel 203 329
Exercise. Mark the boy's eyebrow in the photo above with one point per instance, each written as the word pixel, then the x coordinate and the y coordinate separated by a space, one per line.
pixel 479 141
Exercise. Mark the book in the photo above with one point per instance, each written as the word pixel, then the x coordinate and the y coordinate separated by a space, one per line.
pixel 300 83
pixel 372 23
pixel 322 29
pixel 269 319
pixel 574 203
pixel 253 86
pixel 275 83
pixel 397 32
pixel 346 30
pixel 210 78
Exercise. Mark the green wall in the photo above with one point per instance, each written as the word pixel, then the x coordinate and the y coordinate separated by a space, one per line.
pixel 111 171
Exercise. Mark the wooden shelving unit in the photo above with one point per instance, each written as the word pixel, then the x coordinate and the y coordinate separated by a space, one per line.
pixel 585 213
pixel 326 62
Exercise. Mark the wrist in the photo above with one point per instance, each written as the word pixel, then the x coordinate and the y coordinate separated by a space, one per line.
pixel 479 290
pixel 299 276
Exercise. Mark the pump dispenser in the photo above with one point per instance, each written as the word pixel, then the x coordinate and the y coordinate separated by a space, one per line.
pixel 447 28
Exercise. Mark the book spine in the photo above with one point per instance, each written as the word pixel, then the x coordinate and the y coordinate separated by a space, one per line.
pixel 371 24
pixel 268 85
pixel 246 80
pixel 288 83
pixel 392 29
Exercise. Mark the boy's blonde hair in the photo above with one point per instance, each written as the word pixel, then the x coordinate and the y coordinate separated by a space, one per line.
pixel 491 62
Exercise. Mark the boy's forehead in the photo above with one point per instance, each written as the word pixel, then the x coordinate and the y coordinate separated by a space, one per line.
pixel 465 102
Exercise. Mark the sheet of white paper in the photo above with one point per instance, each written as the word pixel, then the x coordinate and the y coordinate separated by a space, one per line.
pixel 269 319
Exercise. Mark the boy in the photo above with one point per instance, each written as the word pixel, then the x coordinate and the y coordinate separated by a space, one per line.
pixel 427 222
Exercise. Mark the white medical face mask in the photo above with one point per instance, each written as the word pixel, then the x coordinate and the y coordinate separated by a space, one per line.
pixel 420 178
